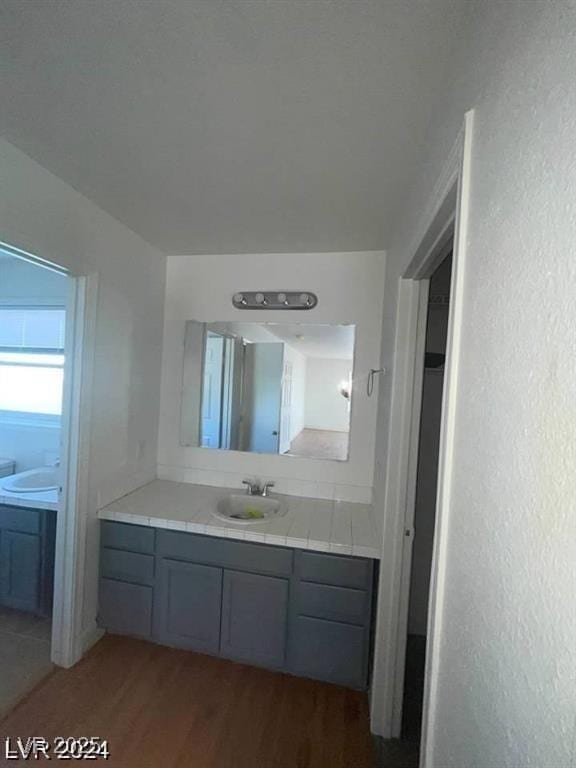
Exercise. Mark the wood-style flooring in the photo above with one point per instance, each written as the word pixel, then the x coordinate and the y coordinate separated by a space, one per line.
pixel 164 708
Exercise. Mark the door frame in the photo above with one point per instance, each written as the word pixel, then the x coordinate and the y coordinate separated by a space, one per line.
pixel 69 638
pixel 445 217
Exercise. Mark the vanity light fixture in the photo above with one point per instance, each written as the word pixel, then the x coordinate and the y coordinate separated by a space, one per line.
pixel 274 300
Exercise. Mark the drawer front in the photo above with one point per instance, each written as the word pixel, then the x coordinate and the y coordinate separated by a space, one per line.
pixel 236 555
pixel 326 650
pixel 19 519
pixel 127 566
pixel 337 570
pixel 137 538
pixel 335 603
pixel 125 608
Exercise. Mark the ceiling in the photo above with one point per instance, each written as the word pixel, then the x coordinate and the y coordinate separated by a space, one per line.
pixel 333 342
pixel 223 127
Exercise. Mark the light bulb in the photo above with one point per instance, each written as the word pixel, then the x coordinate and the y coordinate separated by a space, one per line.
pixel 304 299
pixel 259 298
pixel 282 298
pixel 239 298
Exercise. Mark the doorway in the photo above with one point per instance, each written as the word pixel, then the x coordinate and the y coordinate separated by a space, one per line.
pixel 33 318
pixel 42 318
pixel 428 448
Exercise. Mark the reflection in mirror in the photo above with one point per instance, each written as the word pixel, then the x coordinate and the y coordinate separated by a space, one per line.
pixel 268 388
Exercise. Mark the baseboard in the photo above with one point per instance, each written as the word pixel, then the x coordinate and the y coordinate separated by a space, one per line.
pixel 82 644
pixel 89 638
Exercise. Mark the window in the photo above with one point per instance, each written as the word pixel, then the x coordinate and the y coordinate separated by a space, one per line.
pixel 32 360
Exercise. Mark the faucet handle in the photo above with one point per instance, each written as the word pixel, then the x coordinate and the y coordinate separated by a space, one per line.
pixel 266 487
pixel 252 486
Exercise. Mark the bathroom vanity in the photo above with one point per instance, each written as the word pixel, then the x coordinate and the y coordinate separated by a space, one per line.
pixel 189 581
pixel 27 541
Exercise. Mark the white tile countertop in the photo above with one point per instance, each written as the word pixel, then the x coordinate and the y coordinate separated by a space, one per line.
pixel 39 500
pixel 326 526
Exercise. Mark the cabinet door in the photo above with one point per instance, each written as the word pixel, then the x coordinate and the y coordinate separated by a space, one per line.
pixel 20 557
pixel 328 650
pixel 187 605
pixel 254 616
pixel 125 609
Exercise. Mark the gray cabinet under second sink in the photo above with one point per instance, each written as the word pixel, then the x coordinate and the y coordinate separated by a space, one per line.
pixel 303 612
pixel 27 539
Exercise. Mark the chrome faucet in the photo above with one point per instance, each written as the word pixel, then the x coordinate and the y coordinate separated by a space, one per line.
pixel 257 487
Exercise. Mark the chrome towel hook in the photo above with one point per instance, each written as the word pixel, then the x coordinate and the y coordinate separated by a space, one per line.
pixel 370 382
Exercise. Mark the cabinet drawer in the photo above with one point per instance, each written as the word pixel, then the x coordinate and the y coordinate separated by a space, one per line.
pixel 236 555
pixel 137 538
pixel 125 608
pixel 127 566
pixel 338 570
pixel 327 650
pixel 19 519
pixel 335 603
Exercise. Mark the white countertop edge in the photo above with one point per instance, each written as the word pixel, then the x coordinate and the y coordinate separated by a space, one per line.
pixel 240 534
pixel 19 500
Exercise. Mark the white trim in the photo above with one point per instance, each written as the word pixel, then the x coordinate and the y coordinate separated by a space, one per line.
pixel 447 208
pixel 446 453
pixel 18 253
pixel 67 636
pixel 415 350
pixel 385 651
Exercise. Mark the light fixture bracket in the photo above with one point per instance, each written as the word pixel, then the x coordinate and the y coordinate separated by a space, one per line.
pixel 302 300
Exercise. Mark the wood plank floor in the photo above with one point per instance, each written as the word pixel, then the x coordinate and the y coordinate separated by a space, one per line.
pixel 164 708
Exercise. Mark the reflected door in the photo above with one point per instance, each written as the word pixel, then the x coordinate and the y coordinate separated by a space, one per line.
pixel 263 376
pixel 286 412
pixel 212 393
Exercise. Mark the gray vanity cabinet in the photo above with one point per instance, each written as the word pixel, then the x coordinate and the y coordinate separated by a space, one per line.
pixel 328 650
pixel 254 618
pixel 27 540
pixel 187 606
pixel 20 558
pixel 307 613
pixel 125 608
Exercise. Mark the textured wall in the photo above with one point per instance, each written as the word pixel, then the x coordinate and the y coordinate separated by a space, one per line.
pixel 507 690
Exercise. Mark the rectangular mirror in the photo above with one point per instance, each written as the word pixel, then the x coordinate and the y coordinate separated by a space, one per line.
pixel 268 388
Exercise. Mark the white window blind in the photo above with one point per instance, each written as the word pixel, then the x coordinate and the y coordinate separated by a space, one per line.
pixel 32 359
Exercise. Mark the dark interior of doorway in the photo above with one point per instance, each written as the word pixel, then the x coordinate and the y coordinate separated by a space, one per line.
pixel 404 753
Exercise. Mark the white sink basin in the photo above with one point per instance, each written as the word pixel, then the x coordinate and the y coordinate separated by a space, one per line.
pixel 248 510
pixel 32 481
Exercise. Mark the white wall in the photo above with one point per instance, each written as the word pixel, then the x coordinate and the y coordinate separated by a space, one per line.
pixel 29 444
pixel 298 401
pixel 506 692
pixel 349 288
pixel 43 215
pixel 325 406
